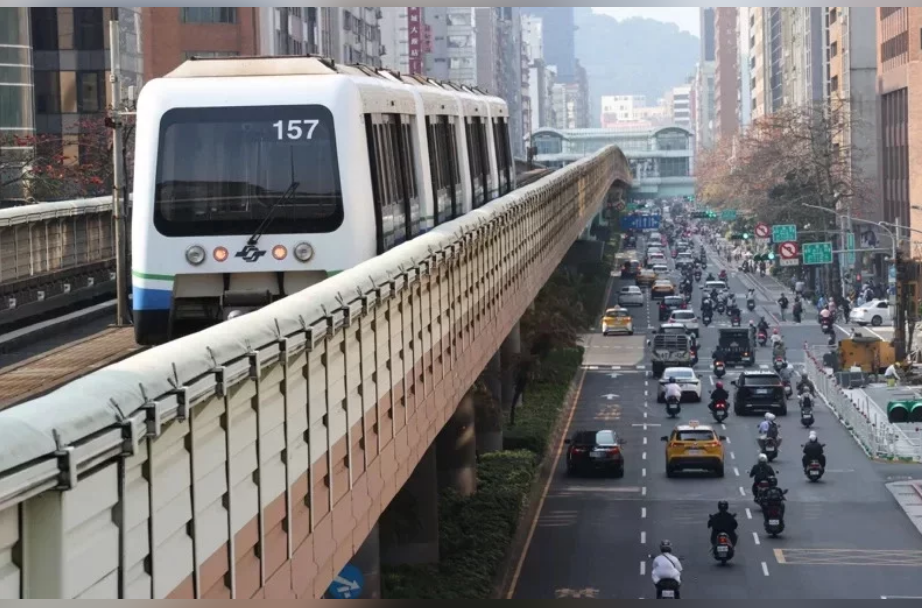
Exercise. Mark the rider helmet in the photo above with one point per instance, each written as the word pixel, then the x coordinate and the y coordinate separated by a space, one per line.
pixel 672 380
pixel 719 385
pixel 723 506
pixel 763 458
pixel 665 547
pixel 770 417
pixel 813 437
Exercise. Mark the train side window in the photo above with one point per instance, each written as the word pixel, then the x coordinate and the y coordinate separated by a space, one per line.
pixel 394 169
pixel 409 172
pixel 377 159
pixel 484 158
pixel 454 170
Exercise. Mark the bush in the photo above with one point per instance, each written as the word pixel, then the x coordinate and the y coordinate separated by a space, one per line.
pixel 474 534
pixel 544 399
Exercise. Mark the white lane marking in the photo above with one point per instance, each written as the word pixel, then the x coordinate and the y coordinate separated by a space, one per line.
pixel 643 538
pixel 643 473
pixel 643 513
pixel 742 492
pixel 643 568
pixel 643 491
pixel 736 471
pixel 646 393
pixel 729 442
pixel 645 441
pixel 755 537
pixel 765 569
pixel 748 514
pixel 644 455
pixel 645 415
pixel 732 456
pixel 723 427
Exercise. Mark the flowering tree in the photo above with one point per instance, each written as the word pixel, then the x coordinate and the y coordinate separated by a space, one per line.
pixel 60 166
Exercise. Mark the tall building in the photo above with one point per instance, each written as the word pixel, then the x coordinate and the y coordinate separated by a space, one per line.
pixel 851 33
pixel 171 35
pixel 498 46
pixel 680 104
pixel 621 108
pixel 746 60
pixel 405 38
pixel 583 119
pixel 705 105
pixel 16 102
pixel 453 55
pixel 759 62
pixel 726 72
pixel 533 36
pixel 899 84
pixel 803 41
pixel 707 18
pixel 559 33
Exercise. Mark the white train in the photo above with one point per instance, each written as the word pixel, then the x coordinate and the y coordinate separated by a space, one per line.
pixel 258 177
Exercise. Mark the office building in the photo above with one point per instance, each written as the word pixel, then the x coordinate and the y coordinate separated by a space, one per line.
pixel 17 123
pixel 726 73
pixel 679 103
pixel 704 106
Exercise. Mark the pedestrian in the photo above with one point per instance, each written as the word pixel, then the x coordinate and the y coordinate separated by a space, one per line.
pixel 799 286
pixel 892 376
pixel 859 301
pixel 846 309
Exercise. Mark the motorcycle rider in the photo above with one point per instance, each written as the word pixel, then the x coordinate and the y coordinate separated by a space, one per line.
pixel 753 331
pixel 710 277
pixel 814 451
pixel 723 522
pixel 720 395
pixel 763 326
pixel 672 391
pixel 760 472
pixel 666 567
pixel 787 374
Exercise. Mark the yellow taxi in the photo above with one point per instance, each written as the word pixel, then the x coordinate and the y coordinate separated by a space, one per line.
pixel 694 446
pixel 646 278
pixel 617 320
pixel 661 289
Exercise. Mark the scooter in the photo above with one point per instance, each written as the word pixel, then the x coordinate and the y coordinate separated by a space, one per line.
pixel 751 305
pixel 774 519
pixel 763 338
pixel 788 390
pixel 763 487
pixel 673 407
pixel 720 412
pixel 814 471
pixel 667 590
pixel 806 415
pixel 780 364
pixel 720 370
pixel 721 308
pixel 769 447
pixel 736 321
pixel 723 551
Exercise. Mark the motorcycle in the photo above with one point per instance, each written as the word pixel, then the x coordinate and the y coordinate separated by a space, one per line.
pixel 814 471
pixel 736 321
pixel 720 370
pixel 827 326
pixel 723 550
pixel 720 412
pixel 723 275
pixel 721 308
pixel 707 319
pixel 788 390
pixel 667 590
pixel 751 305
pixel 762 487
pixel 774 519
pixel 806 416
pixel 763 338
pixel 697 277
pixel 769 447
pixel 780 364
pixel 673 407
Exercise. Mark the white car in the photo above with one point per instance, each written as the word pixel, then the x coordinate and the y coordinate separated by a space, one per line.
pixel 720 286
pixel 685 378
pixel 661 270
pixel 630 296
pixel 876 313
pixel 686 318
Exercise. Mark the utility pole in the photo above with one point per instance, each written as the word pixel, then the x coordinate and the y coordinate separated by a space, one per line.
pixel 119 194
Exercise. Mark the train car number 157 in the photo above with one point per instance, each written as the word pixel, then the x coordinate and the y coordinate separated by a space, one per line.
pixel 296 129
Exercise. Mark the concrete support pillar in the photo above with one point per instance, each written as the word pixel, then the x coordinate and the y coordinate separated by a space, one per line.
pixel 410 524
pixel 44 554
pixel 456 449
pixel 510 353
pixel 368 560
pixel 488 408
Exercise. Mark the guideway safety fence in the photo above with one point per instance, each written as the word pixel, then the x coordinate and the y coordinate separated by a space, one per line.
pixel 867 424
pixel 252 459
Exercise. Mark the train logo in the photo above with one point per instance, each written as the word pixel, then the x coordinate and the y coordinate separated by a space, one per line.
pixel 250 254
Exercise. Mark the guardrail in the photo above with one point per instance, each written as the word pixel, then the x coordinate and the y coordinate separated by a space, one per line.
pixel 864 420
pixel 201 467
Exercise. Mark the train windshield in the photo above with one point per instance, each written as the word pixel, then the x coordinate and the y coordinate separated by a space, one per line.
pixel 220 171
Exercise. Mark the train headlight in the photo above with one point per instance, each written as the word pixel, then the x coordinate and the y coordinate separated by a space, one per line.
pixel 195 255
pixel 279 252
pixel 304 252
pixel 220 254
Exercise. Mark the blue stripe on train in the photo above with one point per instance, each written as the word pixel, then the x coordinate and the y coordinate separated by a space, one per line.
pixel 151 299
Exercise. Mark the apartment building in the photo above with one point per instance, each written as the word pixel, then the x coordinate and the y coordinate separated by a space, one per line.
pixel 705 107
pixel 726 72
pixel 680 106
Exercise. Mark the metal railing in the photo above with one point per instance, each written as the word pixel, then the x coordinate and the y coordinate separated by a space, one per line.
pixel 866 422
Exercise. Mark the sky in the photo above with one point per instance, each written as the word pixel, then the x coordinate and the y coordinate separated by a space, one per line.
pixel 686 17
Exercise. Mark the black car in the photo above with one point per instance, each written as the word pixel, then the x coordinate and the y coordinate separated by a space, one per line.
pixel 669 304
pixel 759 392
pixel 594 451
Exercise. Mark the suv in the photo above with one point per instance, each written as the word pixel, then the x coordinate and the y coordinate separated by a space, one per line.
pixel 758 392
pixel 736 348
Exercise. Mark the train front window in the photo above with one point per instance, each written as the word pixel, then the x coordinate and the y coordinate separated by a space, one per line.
pixel 220 170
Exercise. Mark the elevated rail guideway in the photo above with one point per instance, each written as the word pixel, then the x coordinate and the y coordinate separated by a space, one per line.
pixel 252 459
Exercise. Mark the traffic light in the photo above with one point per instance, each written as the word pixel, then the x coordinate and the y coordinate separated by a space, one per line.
pixel 746 237
pixel 771 257
pixel 898 412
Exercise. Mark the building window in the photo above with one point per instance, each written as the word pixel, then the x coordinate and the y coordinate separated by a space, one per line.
pixel 90 93
pixel 886 11
pixel 833 49
pixel 459 42
pixel 208 14
pixel 44 29
pixel 47 92
pixel 896 46
pixel 833 15
pixel 88 29
pixel 208 54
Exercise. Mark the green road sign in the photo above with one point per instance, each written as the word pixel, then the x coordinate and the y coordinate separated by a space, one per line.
pixel 850 258
pixel 817 254
pixel 728 215
pixel 784 234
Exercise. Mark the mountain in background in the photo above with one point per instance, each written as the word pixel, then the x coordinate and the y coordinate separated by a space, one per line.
pixel 632 57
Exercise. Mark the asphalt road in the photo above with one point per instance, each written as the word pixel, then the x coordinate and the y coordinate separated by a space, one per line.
pixel 846 537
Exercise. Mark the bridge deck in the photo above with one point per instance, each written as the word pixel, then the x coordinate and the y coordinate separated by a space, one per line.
pixel 51 370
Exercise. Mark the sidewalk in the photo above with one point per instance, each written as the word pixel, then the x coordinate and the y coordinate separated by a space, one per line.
pixel 909 496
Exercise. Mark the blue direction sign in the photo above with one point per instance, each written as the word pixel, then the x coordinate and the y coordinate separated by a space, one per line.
pixel 641 222
pixel 348 585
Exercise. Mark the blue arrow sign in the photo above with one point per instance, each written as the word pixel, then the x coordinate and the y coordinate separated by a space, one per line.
pixel 348 585
pixel 641 222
